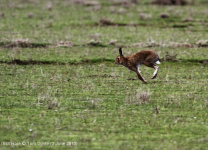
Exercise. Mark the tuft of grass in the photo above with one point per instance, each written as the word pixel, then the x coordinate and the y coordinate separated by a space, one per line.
pixel 46 100
pixel 141 97
pixel 169 57
pixel 96 43
pixel 144 16
pixel 94 103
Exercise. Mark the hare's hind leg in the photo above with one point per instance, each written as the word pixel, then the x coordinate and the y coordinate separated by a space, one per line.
pixel 155 72
pixel 151 65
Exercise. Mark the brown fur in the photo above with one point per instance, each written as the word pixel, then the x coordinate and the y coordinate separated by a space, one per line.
pixel 132 62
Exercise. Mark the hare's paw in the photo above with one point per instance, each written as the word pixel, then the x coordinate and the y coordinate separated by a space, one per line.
pixel 153 77
pixel 145 82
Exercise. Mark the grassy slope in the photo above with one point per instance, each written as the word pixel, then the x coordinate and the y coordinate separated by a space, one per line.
pixel 96 104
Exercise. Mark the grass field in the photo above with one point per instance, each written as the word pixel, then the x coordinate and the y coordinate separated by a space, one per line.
pixel 60 87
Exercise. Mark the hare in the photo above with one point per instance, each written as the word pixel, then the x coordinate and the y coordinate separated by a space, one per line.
pixel 134 61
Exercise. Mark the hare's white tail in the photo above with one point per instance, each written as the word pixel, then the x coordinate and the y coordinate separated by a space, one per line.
pixel 157 62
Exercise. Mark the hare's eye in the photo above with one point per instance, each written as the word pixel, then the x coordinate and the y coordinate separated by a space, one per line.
pixel 118 58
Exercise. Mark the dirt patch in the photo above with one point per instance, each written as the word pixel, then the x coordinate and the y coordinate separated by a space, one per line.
pixel 38 62
pixel 205 63
pixel 202 43
pixel 169 57
pixel 30 62
pixel 124 3
pixel 107 22
pixel 180 26
pixel 132 79
pixel 102 76
pixel 86 2
pixel 170 2
pixel 23 44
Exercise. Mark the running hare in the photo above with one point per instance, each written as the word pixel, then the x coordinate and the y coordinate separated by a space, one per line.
pixel 134 61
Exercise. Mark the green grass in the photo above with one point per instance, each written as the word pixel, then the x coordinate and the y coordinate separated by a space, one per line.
pixel 60 83
pixel 92 106
pixel 80 54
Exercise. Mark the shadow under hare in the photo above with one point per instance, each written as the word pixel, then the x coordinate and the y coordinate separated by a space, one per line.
pixel 148 58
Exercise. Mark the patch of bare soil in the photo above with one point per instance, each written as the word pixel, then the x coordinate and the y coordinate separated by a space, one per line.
pixel 170 2
pixel 29 62
pixel 23 44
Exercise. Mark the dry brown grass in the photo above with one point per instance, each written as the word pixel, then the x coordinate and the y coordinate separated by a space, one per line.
pixel 140 98
pixel 105 22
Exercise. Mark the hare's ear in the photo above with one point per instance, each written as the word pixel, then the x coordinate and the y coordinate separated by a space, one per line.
pixel 120 51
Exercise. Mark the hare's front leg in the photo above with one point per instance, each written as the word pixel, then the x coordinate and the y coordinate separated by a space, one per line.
pixel 141 78
pixel 137 71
